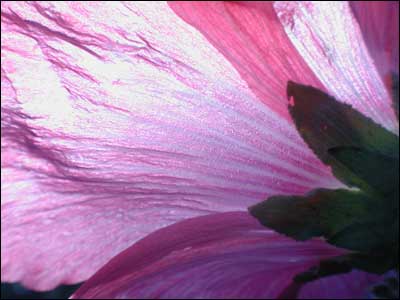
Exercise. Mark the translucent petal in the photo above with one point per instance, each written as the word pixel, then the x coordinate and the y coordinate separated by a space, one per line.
pixel 118 119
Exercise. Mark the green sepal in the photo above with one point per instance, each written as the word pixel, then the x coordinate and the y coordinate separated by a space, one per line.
pixel 379 172
pixel 326 124
pixel 321 212
pixel 345 218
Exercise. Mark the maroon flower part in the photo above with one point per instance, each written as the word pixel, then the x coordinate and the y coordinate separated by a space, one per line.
pixel 226 255
pixel 379 22
pixel 121 118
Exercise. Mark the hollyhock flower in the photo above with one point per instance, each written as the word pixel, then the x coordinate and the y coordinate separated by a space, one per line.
pixel 121 118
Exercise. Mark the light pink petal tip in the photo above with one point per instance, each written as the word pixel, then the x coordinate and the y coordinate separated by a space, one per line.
pixel 117 119
pixel 228 255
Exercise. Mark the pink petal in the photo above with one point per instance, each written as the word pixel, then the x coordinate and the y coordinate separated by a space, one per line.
pixel 119 119
pixel 270 44
pixel 250 36
pixel 328 37
pixel 225 255
pixel 379 23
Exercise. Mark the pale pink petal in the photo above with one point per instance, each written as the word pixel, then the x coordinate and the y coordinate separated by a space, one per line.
pixel 379 23
pixel 225 255
pixel 328 37
pixel 119 119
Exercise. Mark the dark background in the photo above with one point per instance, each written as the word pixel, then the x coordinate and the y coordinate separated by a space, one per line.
pixel 16 291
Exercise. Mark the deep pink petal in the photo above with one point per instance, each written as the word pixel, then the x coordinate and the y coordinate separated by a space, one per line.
pixel 379 23
pixel 252 39
pixel 119 119
pixel 225 255
pixel 328 37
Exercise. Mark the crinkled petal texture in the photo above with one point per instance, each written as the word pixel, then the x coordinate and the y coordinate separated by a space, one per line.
pixel 227 255
pixel 119 118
